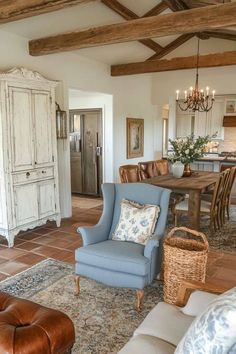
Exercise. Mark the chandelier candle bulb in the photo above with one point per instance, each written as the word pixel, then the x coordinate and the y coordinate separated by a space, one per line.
pixel 213 94
pixel 185 94
pixel 177 95
pixel 207 90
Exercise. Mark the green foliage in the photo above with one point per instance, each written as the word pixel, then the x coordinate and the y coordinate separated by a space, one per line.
pixel 189 149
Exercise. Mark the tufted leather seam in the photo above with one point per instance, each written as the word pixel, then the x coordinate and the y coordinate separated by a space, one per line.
pixel 43 329
pixel 49 341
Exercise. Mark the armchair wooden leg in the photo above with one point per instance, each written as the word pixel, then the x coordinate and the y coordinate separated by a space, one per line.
pixel 140 297
pixel 77 285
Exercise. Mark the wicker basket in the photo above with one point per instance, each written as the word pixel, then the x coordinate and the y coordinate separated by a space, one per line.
pixel 184 258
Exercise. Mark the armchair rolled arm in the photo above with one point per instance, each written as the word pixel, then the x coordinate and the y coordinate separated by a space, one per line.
pixel 187 287
pixel 153 242
pixel 93 234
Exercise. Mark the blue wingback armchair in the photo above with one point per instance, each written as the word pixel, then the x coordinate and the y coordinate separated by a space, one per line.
pixel 121 263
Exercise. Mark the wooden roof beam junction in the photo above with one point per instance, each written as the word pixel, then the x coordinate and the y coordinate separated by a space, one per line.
pixel 172 46
pixel 13 10
pixel 188 21
pixel 181 63
pixel 128 15
pixel 176 5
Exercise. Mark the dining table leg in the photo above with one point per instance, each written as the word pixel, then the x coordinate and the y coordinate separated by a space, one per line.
pixel 194 204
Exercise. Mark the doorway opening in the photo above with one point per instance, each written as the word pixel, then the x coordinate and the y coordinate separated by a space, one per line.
pixel 91 146
pixel 86 151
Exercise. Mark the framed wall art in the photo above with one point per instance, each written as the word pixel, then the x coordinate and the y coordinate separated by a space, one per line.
pixel 134 137
pixel 230 107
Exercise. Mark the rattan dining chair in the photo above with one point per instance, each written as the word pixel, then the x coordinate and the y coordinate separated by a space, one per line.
pixel 211 208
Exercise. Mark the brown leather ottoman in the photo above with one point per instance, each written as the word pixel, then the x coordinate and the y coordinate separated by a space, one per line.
pixel 29 328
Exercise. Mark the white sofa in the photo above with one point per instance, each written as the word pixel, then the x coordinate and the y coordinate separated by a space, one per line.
pixel 166 324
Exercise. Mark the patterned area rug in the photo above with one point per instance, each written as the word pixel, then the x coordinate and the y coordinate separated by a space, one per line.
pixel 104 317
pixel 223 240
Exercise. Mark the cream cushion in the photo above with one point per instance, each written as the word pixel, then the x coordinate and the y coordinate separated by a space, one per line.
pixel 198 302
pixel 167 322
pixel 144 344
pixel 137 222
pixel 166 325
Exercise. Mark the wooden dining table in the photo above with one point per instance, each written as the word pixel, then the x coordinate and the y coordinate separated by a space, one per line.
pixel 196 184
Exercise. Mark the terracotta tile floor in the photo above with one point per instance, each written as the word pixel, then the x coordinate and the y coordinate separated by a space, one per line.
pixel 44 242
pixel 60 243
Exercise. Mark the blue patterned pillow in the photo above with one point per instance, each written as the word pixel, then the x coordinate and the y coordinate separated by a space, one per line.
pixel 137 222
pixel 214 331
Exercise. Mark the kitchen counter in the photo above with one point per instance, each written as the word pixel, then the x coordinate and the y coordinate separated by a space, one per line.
pixel 219 158
pixel 213 163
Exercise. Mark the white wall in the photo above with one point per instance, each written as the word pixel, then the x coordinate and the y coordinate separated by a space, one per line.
pixel 132 98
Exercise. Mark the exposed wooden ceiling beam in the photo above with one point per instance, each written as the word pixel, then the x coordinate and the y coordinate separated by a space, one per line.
pixel 195 20
pixel 12 10
pixel 172 46
pixel 128 15
pixel 152 66
pixel 199 3
pixel 230 35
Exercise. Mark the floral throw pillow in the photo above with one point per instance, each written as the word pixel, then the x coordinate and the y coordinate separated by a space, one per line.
pixel 214 331
pixel 137 222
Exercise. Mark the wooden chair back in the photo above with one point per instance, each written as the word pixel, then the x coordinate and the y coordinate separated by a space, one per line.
pixel 148 169
pixel 218 197
pixel 129 173
pixel 231 180
pixel 226 200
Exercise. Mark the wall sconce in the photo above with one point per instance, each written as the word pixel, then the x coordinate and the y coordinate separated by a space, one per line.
pixel 61 123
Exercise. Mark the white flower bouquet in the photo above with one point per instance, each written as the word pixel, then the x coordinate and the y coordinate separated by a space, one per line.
pixel 189 149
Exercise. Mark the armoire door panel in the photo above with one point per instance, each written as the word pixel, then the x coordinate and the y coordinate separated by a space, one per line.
pixel 26 203
pixel 42 123
pixel 21 128
pixel 47 205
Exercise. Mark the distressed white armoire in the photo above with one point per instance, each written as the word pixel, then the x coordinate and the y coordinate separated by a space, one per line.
pixel 28 152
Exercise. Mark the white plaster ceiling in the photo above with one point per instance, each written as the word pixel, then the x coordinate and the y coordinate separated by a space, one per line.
pixel 97 14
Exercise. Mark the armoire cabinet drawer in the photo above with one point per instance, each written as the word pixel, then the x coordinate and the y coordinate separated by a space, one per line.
pixel 35 175
pixel 23 177
pixel 45 172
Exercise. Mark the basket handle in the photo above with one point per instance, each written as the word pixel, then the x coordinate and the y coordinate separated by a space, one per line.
pixel 192 232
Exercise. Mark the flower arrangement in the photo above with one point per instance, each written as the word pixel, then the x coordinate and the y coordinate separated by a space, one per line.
pixel 189 149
